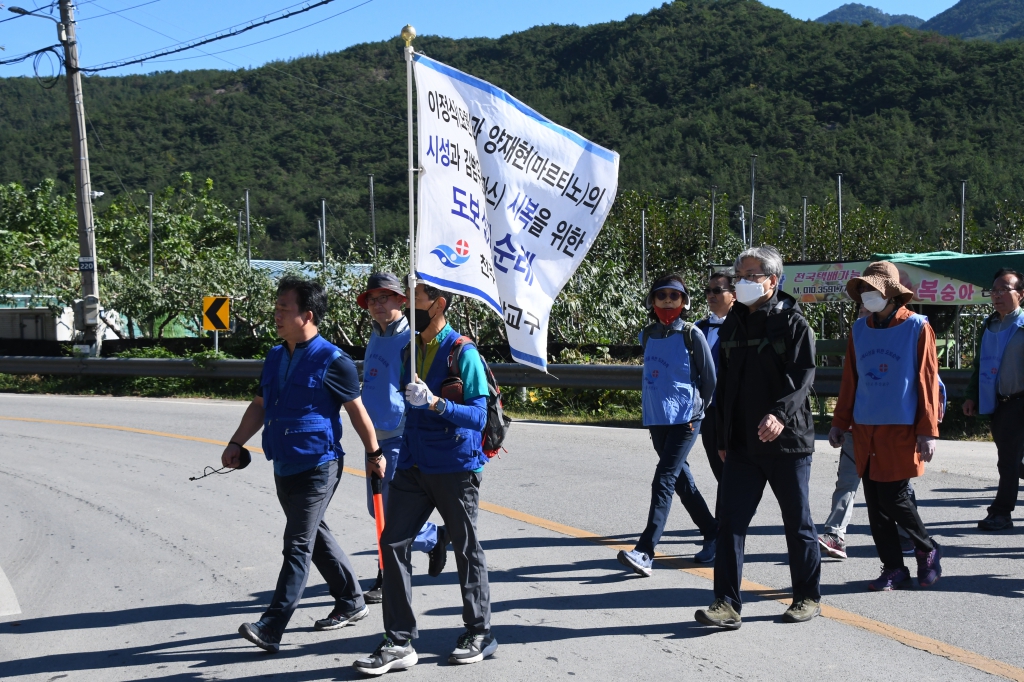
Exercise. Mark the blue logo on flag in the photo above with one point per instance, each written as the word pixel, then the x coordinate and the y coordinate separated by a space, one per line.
pixel 452 258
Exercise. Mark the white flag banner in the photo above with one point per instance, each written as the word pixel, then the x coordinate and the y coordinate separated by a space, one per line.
pixel 509 202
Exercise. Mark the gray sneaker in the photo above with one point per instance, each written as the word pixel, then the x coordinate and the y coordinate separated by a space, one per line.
pixel 721 614
pixel 339 618
pixel 802 610
pixel 387 656
pixel 473 648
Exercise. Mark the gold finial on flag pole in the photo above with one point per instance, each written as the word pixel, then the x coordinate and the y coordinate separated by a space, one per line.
pixel 408 34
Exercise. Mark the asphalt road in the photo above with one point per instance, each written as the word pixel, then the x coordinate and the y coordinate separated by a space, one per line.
pixel 124 570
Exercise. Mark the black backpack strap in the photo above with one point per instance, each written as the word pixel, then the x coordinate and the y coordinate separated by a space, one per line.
pixel 456 353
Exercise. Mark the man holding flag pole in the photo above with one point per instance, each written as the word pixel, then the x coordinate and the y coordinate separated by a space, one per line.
pixel 509 204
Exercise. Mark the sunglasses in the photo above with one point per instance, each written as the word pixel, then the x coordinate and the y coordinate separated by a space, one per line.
pixel 668 295
pixel 717 291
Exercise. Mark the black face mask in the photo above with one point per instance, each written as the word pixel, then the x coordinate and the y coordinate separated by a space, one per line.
pixel 422 320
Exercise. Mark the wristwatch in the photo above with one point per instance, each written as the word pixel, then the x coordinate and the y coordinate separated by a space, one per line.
pixel 440 405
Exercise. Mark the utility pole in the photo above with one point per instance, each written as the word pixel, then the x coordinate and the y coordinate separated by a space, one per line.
pixel 963 208
pixel 323 219
pixel 711 241
pixel 248 232
pixel 803 240
pixel 150 236
pixel 840 176
pixel 643 247
pixel 743 224
pixel 238 246
pixel 373 220
pixel 753 182
pixel 90 306
pixel 320 238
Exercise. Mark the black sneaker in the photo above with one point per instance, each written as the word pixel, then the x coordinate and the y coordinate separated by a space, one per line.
pixel 374 595
pixel 261 636
pixel 339 619
pixel 995 522
pixel 388 656
pixel 438 555
pixel 473 648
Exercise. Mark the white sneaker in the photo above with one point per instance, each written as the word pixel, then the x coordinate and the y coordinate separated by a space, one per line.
pixel 388 656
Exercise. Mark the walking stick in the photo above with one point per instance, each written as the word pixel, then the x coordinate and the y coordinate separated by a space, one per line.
pixel 377 486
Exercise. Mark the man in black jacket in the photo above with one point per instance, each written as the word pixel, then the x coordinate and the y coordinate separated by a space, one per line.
pixel 765 434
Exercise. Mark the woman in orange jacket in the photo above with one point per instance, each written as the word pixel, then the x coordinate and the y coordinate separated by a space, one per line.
pixel 890 398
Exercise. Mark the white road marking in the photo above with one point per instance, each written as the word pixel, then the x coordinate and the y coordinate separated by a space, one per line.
pixel 8 601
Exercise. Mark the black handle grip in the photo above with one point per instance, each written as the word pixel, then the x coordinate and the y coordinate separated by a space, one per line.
pixel 376 484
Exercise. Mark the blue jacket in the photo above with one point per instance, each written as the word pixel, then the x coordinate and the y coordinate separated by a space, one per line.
pixel 302 422
pixel 448 443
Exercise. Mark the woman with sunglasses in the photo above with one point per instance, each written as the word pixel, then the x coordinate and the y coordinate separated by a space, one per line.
pixel 720 295
pixel 679 380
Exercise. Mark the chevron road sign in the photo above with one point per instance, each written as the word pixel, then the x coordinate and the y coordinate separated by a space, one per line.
pixel 216 313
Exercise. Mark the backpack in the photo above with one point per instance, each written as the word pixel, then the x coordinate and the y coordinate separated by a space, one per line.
pixel 776 328
pixel 497 424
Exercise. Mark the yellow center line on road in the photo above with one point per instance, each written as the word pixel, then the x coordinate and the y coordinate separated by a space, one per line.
pixel 911 639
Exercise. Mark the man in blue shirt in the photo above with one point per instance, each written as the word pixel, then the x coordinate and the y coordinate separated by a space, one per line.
pixel 385 403
pixel 305 382
pixel 440 467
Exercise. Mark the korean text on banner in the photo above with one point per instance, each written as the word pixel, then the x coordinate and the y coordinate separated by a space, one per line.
pixel 509 202
pixel 823 282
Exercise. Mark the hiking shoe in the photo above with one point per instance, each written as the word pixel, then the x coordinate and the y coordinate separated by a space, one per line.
pixel 374 595
pixel 638 562
pixel 907 545
pixel 721 615
pixel 802 610
pixel 339 618
pixel 707 553
pixel 995 522
pixel 891 579
pixel 387 656
pixel 473 648
pixel 833 545
pixel 261 636
pixel 929 568
pixel 439 554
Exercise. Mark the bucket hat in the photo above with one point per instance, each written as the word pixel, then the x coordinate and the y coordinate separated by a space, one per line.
pixel 883 276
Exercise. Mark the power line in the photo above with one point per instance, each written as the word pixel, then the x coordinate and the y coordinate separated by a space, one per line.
pixel 108 12
pixel 269 66
pixel 196 43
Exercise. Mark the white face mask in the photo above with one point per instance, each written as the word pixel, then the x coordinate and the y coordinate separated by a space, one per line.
pixel 873 301
pixel 748 292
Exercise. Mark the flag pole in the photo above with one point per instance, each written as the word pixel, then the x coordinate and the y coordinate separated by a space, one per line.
pixel 408 33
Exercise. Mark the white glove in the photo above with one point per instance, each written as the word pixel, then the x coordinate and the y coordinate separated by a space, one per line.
pixel 926 446
pixel 835 437
pixel 418 394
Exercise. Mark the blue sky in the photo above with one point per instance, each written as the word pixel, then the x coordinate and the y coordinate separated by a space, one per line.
pixel 132 27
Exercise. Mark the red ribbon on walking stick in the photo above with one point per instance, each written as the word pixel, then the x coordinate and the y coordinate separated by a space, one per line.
pixel 377 487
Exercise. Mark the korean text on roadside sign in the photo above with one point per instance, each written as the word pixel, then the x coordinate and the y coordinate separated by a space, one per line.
pixel 823 282
pixel 510 202
pixel 216 313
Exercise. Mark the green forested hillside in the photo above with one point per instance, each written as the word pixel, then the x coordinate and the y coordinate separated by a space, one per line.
pixel 856 13
pixel 685 93
pixel 979 19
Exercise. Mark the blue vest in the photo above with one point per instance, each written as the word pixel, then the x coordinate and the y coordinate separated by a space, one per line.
pixel 705 326
pixel 302 422
pixel 887 372
pixel 430 441
pixel 993 346
pixel 668 389
pixel 382 374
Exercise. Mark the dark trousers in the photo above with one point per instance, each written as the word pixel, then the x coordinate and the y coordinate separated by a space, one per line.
pixel 1008 433
pixel 709 437
pixel 672 475
pixel 743 480
pixel 891 506
pixel 304 498
pixel 414 496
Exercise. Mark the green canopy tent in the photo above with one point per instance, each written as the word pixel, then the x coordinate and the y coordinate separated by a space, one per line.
pixel 976 269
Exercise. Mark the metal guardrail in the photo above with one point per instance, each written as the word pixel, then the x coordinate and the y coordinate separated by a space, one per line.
pixel 600 377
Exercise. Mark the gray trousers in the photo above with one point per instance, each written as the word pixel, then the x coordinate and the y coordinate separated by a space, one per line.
pixel 847 483
pixel 413 497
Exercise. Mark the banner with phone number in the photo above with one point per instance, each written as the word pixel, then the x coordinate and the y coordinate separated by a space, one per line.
pixel 825 282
